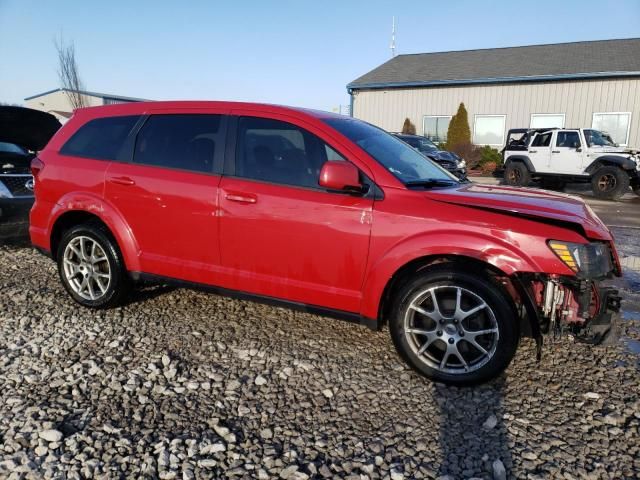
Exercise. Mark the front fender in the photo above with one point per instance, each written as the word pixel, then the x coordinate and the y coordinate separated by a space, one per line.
pixel 492 250
pixel 105 211
pixel 623 162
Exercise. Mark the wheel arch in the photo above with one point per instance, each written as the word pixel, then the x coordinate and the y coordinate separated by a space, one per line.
pixel 471 265
pixel 483 251
pixel 521 159
pixel 77 209
pixel 610 161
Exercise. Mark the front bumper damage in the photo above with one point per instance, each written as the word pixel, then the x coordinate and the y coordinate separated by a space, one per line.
pixel 555 305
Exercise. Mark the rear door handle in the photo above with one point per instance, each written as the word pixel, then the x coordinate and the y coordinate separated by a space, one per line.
pixel 122 180
pixel 555 151
pixel 241 198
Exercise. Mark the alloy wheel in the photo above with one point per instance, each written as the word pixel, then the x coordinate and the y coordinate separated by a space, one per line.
pixel 86 268
pixel 451 329
pixel 607 182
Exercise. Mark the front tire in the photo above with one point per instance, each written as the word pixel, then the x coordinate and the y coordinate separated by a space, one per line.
pixel 516 174
pixel 454 327
pixel 610 183
pixel 636 189
pixel 91 267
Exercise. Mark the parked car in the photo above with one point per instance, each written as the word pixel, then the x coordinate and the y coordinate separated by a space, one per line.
pixel 322 213
pixel 22 132
pixel 558 156
pixel 448 160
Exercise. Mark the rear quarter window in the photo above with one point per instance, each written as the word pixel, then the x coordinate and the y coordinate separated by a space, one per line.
pixel 101 138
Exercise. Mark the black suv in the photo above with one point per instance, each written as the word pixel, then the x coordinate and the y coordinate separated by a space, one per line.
pixel 23 132
pixel 447 160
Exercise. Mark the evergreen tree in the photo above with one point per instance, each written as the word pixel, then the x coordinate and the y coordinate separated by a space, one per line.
pixel 408 128
pixel 459 132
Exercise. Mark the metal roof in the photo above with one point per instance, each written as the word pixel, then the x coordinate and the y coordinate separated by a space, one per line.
pixel 560 61
pixel 91 94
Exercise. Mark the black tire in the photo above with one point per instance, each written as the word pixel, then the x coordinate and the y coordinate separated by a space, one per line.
pixel 446 279
pixel 610 183
pixel 118 285
pixel 636 189
pixel 516 174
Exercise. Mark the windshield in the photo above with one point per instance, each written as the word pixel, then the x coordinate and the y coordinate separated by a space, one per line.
pixel 598 139
pixel 6 147
pixel 403 161
pixel 422 144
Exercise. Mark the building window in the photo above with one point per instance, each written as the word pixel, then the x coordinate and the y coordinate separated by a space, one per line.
pixel 616 124
pixel 435 127
pixel 547 120
pixel 489 129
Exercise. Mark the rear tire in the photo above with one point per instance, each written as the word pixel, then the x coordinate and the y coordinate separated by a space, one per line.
pixel 444 343
pixel 91 268
pixel 610 183
pixel 516 174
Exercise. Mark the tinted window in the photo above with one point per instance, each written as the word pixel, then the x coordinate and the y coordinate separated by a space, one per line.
pixel 101 138
pixel 280 152
pixel 542 140
pixel 568 140
pixel 188 142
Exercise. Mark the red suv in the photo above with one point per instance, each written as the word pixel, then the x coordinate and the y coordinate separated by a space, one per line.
pixel 323 213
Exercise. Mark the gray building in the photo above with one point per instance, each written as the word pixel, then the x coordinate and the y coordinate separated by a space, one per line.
pixel 58 103
pixel 583 84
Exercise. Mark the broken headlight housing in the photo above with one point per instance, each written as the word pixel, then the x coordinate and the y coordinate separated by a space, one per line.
pixel 587 260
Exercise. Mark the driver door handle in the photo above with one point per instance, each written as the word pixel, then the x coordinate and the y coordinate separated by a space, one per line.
pixel 533 151
pixel 122 181
pixel 555 151
pixel 241 198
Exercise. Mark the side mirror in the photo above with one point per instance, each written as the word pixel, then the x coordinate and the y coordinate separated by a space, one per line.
pixel 340 175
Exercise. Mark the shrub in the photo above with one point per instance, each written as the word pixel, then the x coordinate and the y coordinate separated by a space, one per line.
pixel 488 167
pixel 408 128
pixel 470 153
pixel 490 155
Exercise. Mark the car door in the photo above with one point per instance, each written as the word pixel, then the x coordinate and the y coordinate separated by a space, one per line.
pixel 168 195
pixel 566 154
pixel 283 236
pixel 539 151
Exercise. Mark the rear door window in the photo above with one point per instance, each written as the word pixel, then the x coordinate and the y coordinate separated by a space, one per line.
pixel 101 138
pixel 542 140
pixel 193 142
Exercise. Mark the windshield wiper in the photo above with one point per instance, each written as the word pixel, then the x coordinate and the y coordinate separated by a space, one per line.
pixel 431 182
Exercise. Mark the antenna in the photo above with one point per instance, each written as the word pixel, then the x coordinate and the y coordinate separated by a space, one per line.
pixel 393 37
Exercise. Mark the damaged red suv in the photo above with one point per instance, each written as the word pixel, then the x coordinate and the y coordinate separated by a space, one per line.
pixel 322 213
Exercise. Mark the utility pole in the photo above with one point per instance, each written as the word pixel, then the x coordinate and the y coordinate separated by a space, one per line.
pixel 393 37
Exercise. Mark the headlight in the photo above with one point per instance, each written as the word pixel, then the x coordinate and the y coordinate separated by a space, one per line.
pixel 461 164
pixel 590 260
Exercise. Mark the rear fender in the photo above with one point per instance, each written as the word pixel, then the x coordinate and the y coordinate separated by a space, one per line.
pixel 491 250
pixel 105 211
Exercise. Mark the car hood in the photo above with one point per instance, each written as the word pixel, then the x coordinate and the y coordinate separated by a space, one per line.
pixel 624 150
pixel 443 155
pixel 29 128
pixel 557 207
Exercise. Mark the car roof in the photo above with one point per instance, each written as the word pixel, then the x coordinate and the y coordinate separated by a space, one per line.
pixel 137 108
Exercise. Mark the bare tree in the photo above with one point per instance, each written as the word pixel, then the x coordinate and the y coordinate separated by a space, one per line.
pixel 68 72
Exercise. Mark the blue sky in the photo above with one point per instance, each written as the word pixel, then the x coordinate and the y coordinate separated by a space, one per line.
pixel 291 52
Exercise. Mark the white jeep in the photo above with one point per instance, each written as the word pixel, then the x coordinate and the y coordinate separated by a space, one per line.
pixel 558 156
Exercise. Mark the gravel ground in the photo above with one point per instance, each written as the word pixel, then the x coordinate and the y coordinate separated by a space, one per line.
pixel 182 384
